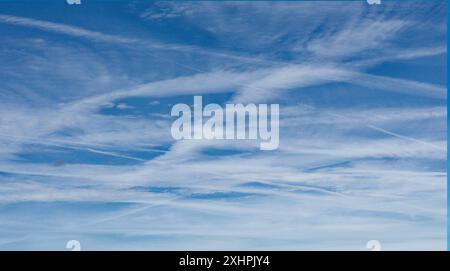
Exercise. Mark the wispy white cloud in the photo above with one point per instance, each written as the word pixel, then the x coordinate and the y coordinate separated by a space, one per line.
pixel 364 172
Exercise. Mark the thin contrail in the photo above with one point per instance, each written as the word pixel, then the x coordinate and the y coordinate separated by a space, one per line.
pixel 404 137
pixel 89 149
pixel 382 130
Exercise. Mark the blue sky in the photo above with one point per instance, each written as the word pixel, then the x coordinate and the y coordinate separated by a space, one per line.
pixel 85 145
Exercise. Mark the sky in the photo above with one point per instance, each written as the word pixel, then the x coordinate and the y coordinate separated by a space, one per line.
pixel 85 146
